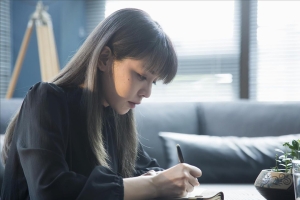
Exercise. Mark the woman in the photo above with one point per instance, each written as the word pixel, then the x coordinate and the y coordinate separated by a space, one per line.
pixel 75 138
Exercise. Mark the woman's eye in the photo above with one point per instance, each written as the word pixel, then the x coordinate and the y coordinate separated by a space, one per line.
pixel 142 77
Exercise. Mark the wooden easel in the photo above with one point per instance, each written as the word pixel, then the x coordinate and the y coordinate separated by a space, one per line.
pixel 46 45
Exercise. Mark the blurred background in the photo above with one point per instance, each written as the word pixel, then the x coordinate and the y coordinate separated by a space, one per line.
pixel 227 50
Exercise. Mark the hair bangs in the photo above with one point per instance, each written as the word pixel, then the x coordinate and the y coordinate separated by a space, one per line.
pixel 161 60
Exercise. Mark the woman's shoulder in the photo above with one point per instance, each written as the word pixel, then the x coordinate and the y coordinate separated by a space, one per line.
pixel 44 91
pixel 46 88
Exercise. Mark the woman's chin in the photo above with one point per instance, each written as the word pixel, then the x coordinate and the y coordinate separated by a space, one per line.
pixel 122 111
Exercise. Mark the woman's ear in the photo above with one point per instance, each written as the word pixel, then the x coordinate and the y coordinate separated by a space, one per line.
pixel 105 59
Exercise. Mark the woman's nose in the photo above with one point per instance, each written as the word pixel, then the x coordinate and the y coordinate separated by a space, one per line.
pixel 146 91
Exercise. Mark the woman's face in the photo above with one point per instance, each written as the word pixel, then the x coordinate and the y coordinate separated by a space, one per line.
pixel 126 85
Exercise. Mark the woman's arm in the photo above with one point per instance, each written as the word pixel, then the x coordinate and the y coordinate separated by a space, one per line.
pixel 173 182
pixel 140 187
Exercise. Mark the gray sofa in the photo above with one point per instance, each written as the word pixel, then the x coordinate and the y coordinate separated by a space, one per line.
pixel 230 141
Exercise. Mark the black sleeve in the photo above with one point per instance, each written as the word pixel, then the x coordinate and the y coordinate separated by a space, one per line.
pixel 42 129
pixel 145 163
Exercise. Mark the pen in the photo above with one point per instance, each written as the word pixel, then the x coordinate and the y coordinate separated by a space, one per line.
pixel 179 153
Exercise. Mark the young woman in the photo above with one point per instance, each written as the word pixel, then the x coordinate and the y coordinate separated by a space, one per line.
pixel 75 138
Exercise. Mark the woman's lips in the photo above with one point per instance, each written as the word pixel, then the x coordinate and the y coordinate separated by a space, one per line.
pixel 132 104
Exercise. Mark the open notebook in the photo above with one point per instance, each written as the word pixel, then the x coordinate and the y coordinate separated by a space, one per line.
pixel 204 194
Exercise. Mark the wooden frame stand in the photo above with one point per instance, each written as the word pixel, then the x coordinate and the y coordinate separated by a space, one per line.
pixel 46 45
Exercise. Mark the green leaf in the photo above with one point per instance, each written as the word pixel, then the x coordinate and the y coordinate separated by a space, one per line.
pixel 285 144
pixel 294 154
pixel 288 145
pixel 282 165
pixel 279 150
pixel 278 160
pixel 292 148
pixel 287 159
pixel 295 145
pixel 281 157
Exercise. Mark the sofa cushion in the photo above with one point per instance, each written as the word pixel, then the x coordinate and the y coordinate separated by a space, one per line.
pixel 225 159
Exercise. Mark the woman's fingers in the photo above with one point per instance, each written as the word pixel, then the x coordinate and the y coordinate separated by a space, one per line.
pixel 177 181
pixel 189 177
pixel 189 187
pixel 193 181
pixel 194 171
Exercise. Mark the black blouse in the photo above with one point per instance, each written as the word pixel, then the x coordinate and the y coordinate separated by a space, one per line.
pixel 50 157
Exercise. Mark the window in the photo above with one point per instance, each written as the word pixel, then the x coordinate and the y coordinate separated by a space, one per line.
pixel 5 51
pixel 95 11
pixel 275 51
pixel 206 37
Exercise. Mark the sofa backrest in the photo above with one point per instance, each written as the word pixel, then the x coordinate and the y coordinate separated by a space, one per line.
pixel 153 118
pixel 249 118
pixel 8 107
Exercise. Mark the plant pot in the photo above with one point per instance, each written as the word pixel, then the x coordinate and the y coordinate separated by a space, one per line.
pixel 275 185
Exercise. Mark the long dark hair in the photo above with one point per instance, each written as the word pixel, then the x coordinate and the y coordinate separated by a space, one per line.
pixel 129 33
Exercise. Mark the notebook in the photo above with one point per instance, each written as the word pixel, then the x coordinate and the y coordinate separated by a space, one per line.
pixel 204 194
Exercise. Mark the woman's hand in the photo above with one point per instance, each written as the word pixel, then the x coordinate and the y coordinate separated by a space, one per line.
pixel 176 181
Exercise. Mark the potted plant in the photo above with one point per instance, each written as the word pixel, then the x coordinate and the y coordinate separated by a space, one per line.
pixel 277 182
